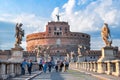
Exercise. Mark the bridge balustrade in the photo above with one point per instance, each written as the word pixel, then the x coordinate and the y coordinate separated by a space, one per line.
pixel 12 69
pixel 109 67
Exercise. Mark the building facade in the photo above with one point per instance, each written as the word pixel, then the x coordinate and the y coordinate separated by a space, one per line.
pixel 59 38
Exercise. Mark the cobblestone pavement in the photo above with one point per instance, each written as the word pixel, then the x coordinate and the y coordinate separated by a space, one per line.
pixel 69 75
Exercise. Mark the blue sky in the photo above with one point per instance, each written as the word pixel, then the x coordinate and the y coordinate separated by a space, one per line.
pixel 87 16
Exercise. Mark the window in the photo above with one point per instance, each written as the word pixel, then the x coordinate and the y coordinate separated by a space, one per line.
pixel 55 28
pixel 49 30
pixel 54 33
pixel 58 51
pixel 65 29
pixel 83 35
pixel 60 28
pixel 58 34
pixel 87 36
pixel 91 57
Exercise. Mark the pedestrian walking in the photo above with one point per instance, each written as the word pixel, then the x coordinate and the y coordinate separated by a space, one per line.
pixel 23 66
pixel 49 66
pixel 29 65
pixel 44 67
pixel 61 66
pixel 65 65
pixel 40 65
pixel 56 65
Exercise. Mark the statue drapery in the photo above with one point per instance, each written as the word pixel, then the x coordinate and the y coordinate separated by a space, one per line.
pixel 105 33
pixel 19 34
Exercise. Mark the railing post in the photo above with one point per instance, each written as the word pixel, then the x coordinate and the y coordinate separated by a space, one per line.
pixel 100 67
pixel 118 68
pixel 4 71
pixel 95 66
pixel 91 66
pixel 108 67
pixel 12 72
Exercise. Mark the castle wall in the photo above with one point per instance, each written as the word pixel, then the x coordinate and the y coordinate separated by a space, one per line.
pixel 58 33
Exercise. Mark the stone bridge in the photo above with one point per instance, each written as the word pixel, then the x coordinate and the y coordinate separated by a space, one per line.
pixel 12 71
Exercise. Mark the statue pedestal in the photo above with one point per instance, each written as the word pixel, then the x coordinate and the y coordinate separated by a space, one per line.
pixel 17 54
pixel 80 58
pixel 107 55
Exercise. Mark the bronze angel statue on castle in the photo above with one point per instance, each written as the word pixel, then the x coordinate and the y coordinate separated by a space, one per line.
pixel 19 34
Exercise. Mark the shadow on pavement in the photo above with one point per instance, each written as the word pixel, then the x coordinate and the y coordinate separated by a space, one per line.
pixel 56 76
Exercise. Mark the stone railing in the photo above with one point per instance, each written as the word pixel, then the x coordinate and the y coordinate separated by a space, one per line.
pixel 108 67
pixel 11 69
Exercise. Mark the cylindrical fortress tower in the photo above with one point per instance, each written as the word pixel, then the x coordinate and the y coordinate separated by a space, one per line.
pixel 59 37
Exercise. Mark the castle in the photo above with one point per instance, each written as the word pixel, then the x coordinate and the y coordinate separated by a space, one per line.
pixel 59 38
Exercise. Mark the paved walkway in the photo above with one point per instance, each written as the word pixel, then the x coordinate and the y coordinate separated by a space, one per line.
pixel 98 75
pixel 69 75
pixel 27 76
pixel 72 74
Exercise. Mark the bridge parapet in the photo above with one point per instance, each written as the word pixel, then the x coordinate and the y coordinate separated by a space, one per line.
pixel 108 67
pixel 11 69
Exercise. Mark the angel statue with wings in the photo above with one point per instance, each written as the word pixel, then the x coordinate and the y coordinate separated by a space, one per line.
pixel 105 33
pixel 19 34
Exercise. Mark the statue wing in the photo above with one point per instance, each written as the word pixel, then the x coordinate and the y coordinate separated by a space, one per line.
pixel 16 29
pixel 23 33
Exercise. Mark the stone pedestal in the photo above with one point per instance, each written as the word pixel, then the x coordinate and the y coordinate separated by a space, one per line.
pixel 80 58
pixel 107 55
pixel 17 54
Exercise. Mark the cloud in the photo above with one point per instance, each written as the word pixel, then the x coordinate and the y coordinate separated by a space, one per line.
pixel 31 22
pixel 54 13
pixel 81 2
pixel 24 44
pixel 85 16
pixel 90 19
pixel 69 7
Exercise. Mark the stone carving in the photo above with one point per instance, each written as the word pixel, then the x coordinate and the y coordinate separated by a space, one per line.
pixel 105 33
pixel 19 34
pixel 41 50
pixel 79 50
pixel 58 17
pixel 68 57
pixel 38 51
pixel 72 54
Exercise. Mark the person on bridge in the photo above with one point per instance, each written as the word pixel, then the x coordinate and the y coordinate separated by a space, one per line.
pixel 44 67
pixel 23 66
pixel 41 65
pixel 66 65
pixel 49 65
pixel 56 65
pixel 61 65
pixel 29 65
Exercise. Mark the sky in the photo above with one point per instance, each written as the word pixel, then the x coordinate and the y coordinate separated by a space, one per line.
pixel 87 16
